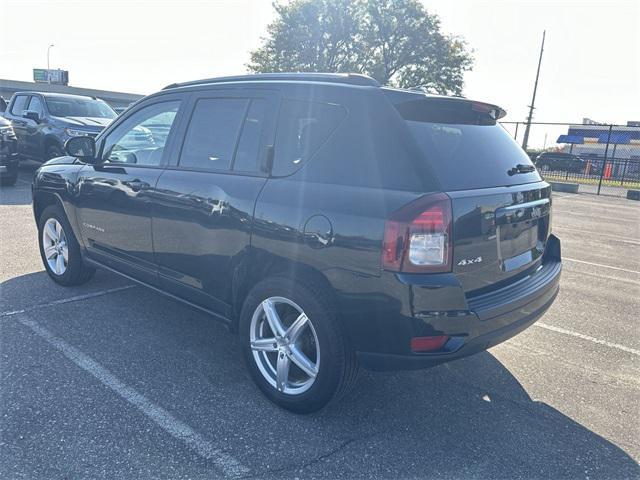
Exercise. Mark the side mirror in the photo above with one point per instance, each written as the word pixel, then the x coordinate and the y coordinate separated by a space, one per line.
pixel 83 148
pixel 32 115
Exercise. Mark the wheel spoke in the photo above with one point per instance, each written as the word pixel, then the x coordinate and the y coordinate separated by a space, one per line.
pixel 282 371
pixel 58 230
pixel 264 345
pixel 65 252
pixel 296 328
pixel 49 252
pixel 51 232
pixel 303 362
pixel 273 318
pixel 59 264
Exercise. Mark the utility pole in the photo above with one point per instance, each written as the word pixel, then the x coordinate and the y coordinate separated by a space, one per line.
pixel 525 140
pixel 48 68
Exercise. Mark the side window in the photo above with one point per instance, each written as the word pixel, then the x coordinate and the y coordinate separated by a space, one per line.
pixel 302 128
pixel 19 105
pixel 140 139
pixel 36 105
pixel 249 144
pixel 213 133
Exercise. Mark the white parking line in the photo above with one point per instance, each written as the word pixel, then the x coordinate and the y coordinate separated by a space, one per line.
pixel 600 203
pixel 588 338
pixel 66 300
pixel 598 234
pixel 601 265
pixel 176 428
pixel 604 277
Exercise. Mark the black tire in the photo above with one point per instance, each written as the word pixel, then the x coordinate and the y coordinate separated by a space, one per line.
pixel 76 272
pixel 9 178
pixel 338 367
pixel 52 151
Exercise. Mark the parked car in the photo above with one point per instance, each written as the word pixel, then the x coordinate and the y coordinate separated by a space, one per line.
pixel 560 161
pixel 331 222
pixel 43 122
pixel 8 154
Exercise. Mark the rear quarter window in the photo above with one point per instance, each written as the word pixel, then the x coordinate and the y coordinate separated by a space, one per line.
pixel 302 129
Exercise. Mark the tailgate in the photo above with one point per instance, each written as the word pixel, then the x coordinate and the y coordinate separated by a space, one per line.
pixel 499 233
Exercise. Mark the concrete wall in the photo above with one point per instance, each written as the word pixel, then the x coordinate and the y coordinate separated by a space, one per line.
pixel 118 100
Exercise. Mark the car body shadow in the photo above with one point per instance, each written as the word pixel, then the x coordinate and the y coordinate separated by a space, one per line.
pixel 466 419
pixel 20 193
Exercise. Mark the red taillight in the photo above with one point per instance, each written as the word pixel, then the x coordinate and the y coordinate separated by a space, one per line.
pixel 417 238
pixel 428 344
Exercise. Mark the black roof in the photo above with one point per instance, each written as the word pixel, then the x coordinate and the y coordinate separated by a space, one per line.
pixel 344 78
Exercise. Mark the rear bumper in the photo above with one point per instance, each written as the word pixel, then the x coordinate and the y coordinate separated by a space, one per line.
pixel 488 320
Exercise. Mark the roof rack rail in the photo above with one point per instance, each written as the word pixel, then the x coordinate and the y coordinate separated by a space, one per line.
pixel 346 78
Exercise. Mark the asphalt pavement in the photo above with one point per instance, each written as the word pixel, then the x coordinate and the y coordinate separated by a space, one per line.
pixel 111 380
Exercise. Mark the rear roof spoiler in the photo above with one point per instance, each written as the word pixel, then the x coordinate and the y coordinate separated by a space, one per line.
pixel 404 97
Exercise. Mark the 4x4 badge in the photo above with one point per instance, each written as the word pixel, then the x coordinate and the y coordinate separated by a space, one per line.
pixel 464 262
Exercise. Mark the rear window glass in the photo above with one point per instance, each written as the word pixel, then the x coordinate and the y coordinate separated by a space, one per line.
pixel 466 150
pixel 302 128
pixel 213 132
pixel 248 147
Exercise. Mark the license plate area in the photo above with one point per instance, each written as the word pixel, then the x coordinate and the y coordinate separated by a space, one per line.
pixel 521 231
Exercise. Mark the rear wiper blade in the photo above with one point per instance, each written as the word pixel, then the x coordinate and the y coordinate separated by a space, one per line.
pixel 521 168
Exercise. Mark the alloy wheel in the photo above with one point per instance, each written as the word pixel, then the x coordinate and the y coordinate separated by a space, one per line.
pixel 284 345
pixel 54 244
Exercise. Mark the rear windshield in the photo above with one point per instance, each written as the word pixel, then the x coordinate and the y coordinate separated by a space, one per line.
pixel 465 148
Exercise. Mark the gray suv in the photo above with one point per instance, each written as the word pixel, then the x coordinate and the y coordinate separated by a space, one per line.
pixel 43 122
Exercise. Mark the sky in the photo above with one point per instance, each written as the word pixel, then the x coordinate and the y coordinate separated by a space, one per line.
pixel 591 64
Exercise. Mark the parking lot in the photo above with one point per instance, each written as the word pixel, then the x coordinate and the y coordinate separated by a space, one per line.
pixel 111 380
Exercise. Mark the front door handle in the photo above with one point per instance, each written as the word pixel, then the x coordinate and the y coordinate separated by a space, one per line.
pixel 137 185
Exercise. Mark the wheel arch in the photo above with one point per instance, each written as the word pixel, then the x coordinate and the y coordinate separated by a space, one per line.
pixel 264 266
pixel 42 200
pixel 49 140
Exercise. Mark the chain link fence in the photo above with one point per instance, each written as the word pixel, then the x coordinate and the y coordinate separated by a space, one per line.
pixel 602 159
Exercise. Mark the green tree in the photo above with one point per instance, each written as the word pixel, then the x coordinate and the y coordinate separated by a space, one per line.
pixel 395 41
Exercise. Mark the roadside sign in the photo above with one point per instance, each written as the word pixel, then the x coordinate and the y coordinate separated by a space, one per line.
pixel 42 75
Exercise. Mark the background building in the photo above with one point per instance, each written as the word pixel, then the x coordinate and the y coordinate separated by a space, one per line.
pixel 118 100
pixel 623 144
pixel 591 140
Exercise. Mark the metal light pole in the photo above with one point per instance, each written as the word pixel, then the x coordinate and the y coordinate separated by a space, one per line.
pixel 525 140
pixel 48 74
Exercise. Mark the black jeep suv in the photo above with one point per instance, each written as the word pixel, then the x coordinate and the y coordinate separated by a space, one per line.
pixel 328 220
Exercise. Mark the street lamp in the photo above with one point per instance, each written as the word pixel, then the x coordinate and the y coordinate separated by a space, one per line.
pixel 48 74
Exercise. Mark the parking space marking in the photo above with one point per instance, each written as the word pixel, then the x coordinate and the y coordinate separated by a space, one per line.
pixel 77 298
pixel 598 234
pixel 588 338
pixel 161 417
pixel 601 203
pixel 601 265
pixel 568 197
pixel 606 277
